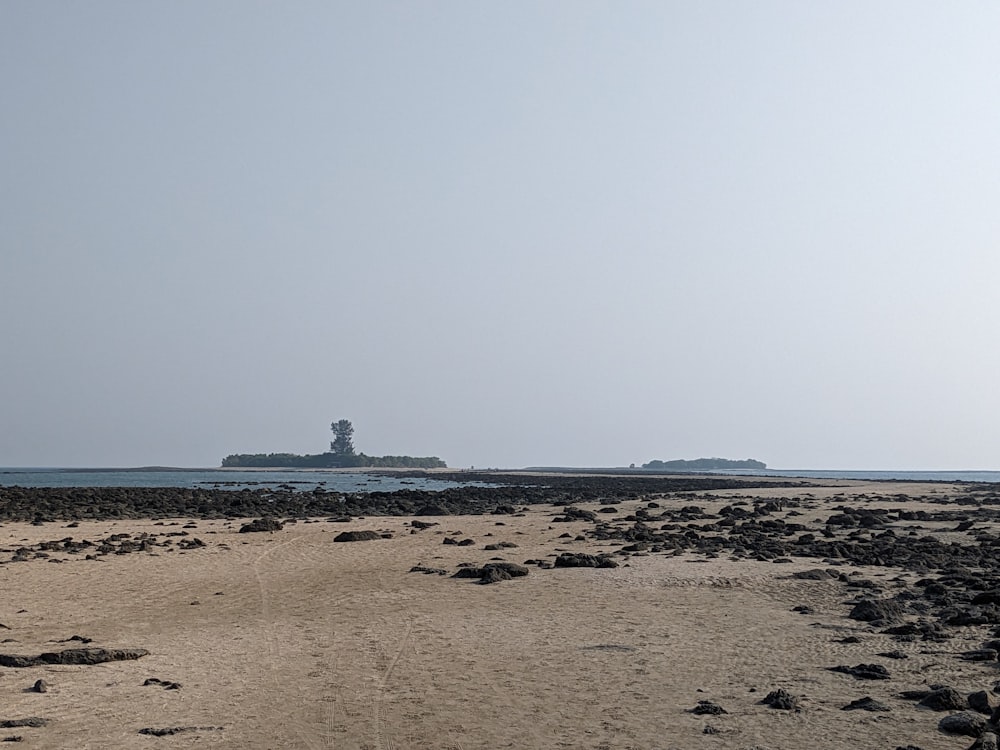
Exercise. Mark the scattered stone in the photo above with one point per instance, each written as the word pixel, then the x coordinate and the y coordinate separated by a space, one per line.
pixel 262 524
pixel 983 702
pixel 73 656
pixel 866 704
pixel 870 610
pixel 357 536
pixel 583 560
pixel 708 708
pixel 944 699
pixel 781 699
pixel 40 686
pixel 31 721
pixel 501 571
pixel 986 741
pixel 428 571
pixel 979 654
pixel 166 731
pixel 864 671
pixel 75 639
pixel 165 684
pixel 895 654
pixel 816 574
pixel 965 723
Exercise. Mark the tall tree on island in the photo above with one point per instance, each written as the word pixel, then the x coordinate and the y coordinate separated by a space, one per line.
pixel 343 432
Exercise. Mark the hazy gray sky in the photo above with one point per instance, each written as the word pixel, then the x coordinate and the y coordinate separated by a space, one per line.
pixel 506 234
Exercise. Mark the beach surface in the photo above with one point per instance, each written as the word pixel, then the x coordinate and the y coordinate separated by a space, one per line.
pixel 288 639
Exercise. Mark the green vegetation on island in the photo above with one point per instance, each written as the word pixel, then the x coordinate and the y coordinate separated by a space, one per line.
pixel 340 456
pixel 705 464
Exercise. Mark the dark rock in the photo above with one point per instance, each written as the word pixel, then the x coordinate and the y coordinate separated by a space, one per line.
pixel 986 741
pixel 31 721
pixel 261 524
pixel 816 574
pixel 895 654
pixel 966 723
pixel 869 610
pixel 864 671
pixel 40 686
pixel 73 656
pixel 165 684
pixel 866 704
pixel 708 708
pixel 357 536
pixel 781 699
pixel 979 654
pixel 493 575
pixel 945 699
pixel 583 560
pixel 428 571
pixel 501 571
pixel 983 702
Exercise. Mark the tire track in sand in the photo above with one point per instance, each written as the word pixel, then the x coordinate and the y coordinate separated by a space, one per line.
pixel 312 738
pixel 379 713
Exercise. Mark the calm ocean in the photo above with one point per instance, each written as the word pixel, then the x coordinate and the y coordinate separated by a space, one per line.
pixel 336 481
pixel 333 481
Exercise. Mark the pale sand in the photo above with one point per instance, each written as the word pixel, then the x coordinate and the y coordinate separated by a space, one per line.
pixel 288 640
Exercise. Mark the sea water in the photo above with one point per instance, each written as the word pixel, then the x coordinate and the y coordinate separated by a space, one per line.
pixel 897 476
pixel 304 480
pixel 340 481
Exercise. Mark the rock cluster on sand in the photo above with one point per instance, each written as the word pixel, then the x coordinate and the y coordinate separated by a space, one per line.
pixel 73 656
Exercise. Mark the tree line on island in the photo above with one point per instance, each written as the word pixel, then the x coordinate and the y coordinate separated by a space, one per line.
pixel 340 456
pixel 705 464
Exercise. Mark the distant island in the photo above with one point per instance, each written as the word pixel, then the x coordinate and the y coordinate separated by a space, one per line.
pixel 340 456
pixel 704 464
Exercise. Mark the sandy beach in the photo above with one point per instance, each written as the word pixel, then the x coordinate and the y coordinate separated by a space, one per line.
pixel 287 639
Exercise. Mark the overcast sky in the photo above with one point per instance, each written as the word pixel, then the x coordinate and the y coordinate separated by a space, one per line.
pixel 506 234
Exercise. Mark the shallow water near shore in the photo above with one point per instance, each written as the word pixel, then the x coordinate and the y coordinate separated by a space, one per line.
pixel 306 481
pixel 361 481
